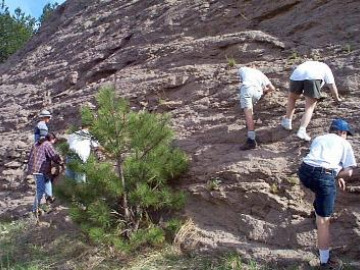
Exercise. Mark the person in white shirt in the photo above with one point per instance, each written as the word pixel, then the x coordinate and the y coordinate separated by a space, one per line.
pixel 330 160
pixel 80 144
pixel 41 129
pixel 254 84
pixel 308 79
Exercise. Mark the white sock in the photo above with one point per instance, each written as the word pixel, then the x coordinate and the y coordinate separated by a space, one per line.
pixel 251 134
pixel 287 120
pixel 324 255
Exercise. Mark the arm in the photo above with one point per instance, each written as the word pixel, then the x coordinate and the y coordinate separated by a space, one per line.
pixel 334 92
pixel 268 89
pixel 347 172
pixel 52 154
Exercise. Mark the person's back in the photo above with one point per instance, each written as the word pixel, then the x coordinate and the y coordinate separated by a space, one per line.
pixel 329 151
pixel 307 80
pixel 253 77
pixel 81 142
pixel 313 70
pixel 331 159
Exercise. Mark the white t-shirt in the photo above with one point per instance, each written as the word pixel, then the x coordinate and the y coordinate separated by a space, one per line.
pixel 313 70
pixel 252 77
pixel 332 152
pixel 80 142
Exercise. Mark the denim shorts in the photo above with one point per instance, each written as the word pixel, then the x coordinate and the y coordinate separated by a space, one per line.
pixel 322 182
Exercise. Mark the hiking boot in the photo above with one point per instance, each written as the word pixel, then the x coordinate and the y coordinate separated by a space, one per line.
pixel 50 199
pixel 286 123
pixel 332 264
pixel 250 144
pixel 38 212
pixel 303 135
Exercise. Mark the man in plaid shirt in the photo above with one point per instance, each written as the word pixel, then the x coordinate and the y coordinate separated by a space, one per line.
pixel 41 156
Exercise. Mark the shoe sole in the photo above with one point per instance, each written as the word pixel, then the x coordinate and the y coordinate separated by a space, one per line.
pixel 303 138
pixel 287 128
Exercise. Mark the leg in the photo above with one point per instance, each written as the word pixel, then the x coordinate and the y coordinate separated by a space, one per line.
pixel 290 108
pixel 310 104
pixel 48 188
pixel 325 195
pixel 40 190
pixel 250 142
pixel 246 100
pixel 323 232
pixel 249 118
pixel 323 237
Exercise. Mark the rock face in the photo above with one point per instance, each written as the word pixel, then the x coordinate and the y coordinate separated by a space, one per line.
pixel 178 57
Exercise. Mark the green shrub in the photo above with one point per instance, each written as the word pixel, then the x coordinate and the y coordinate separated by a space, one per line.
pixel 124 196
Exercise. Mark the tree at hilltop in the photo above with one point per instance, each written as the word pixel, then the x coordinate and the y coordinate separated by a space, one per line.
pixel 17 29
pixel 125 198
pixel 47 11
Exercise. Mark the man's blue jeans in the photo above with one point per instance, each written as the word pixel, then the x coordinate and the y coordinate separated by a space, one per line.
pixel 322 182
pixel 43 186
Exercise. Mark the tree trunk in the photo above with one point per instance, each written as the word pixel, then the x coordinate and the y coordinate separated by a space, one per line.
pixel 124 200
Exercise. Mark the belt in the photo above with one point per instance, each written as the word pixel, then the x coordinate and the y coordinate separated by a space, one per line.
pixel 318 169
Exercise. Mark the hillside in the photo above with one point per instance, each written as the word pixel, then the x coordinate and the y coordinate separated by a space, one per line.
pixel 173 56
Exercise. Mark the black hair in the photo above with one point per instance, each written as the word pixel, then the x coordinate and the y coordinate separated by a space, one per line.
pixel 333 130
pixel 50 136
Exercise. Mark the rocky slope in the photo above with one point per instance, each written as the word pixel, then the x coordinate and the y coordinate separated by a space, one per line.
pixel 173 56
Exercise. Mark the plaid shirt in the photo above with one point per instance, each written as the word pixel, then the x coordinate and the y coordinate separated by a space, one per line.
pixel 40 158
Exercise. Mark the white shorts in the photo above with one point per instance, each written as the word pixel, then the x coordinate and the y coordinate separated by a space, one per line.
pixel 249 96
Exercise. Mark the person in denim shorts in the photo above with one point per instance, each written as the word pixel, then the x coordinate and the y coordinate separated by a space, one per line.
pixel 330 160
pixel 254 84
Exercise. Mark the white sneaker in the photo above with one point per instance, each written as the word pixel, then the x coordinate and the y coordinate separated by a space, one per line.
pixel 286 123
pixel 303 135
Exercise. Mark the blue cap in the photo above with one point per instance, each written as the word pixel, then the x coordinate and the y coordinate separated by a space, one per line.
pixel 341 125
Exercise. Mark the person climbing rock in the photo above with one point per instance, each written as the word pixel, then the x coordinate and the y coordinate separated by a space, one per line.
pixel 330 160
pixel 41 129
pixel 41 155
pixel 254 84
pixel 308 79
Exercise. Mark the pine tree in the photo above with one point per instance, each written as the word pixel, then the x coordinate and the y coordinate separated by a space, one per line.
pixel 47 11
pixel 125 195
pixel 15 30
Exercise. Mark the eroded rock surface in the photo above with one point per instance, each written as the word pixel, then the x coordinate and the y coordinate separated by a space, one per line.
pixel 174 56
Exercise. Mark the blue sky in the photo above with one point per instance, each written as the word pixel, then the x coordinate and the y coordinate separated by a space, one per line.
pixel 30 7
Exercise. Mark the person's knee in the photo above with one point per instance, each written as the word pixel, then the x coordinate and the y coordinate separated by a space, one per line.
pixel 322 221
pixel 293 96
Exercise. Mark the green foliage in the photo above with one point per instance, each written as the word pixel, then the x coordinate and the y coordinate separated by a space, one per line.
pixel 294 57
pixel 47 11
pixel 24 246
pixel 231 61
pixel 172 227
pixel 213 184
pixel 153 236
pixel 15 31
pixel 124 196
